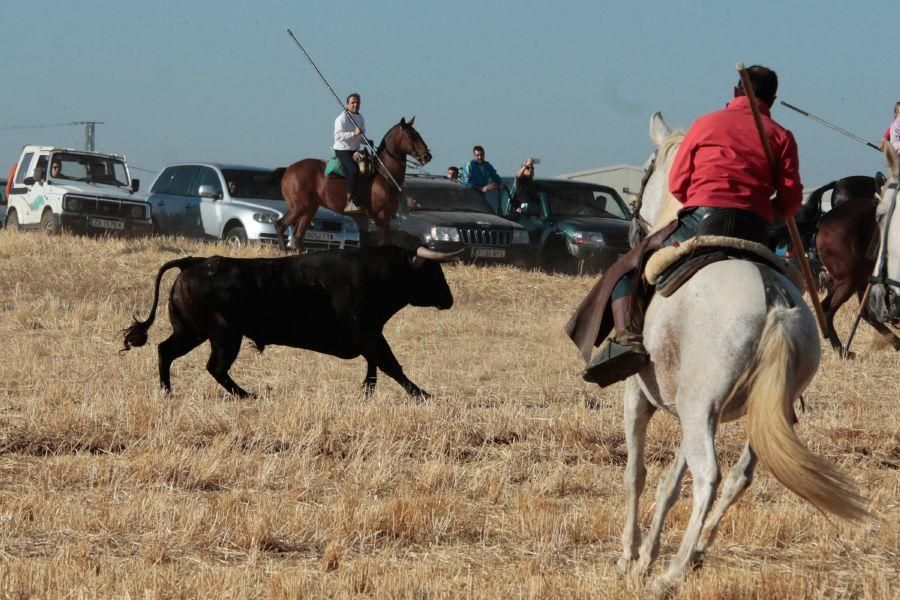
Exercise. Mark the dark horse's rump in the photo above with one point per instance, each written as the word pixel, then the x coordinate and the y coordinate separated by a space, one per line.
pixel 843 240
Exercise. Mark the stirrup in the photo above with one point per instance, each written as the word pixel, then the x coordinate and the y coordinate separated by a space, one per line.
pixel 351 206
pixel 614 362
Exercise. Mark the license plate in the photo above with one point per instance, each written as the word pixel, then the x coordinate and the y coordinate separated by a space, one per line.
pixel 107 223
pixel 488 252
pixel 318 236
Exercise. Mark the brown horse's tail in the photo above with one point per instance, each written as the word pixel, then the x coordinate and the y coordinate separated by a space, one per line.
pixel 136 334
pixel 772 385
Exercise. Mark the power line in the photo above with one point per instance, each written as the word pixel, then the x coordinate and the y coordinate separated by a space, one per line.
pixel 89 127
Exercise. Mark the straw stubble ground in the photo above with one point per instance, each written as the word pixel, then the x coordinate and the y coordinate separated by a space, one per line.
pixel 504 484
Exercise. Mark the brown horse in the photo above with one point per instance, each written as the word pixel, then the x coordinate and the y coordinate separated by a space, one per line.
pixel 844 239
pixel 305 186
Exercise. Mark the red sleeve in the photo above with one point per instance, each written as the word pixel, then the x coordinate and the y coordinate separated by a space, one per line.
pixel 887 134
pixel 682 167
pixel 788 187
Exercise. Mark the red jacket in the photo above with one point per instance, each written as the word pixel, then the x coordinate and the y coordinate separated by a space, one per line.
pixel 721 163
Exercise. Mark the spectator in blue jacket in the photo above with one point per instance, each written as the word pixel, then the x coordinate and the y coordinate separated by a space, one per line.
pixel 479 174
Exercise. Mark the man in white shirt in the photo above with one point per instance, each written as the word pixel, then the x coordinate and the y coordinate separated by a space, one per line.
pixel 347 137
pixel 894 130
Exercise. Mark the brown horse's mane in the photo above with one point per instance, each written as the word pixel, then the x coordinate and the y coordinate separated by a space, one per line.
pixel 383 144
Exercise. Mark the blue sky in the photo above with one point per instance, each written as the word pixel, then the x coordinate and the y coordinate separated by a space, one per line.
pixel 573 83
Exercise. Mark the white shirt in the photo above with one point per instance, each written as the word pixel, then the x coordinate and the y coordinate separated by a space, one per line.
pixel 895 134
pixel 343 131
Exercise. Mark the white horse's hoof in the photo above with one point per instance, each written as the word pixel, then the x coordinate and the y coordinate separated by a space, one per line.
pixel 664 585
pixel 624 565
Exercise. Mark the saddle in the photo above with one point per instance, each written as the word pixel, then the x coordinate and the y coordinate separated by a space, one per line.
pixel 335 170
pixel 670 267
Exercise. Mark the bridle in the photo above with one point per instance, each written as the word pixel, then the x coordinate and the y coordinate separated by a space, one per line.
pixel 649 167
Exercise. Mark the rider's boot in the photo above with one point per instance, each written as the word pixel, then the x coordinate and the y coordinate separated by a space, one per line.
pixel 622 354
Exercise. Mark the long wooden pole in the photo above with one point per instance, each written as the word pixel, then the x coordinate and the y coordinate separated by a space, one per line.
pixel 796 242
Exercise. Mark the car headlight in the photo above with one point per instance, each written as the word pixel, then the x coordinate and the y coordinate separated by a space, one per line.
pixel 445 234
pixel 137 212
pixel 266 217
pixel 587 238
pixel 350 226
pixel 72 204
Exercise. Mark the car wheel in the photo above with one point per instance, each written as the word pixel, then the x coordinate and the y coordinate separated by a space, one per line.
pixel 12 220
pixel 236 236
pixel 555 258
pixel 155 228
pixel 49 223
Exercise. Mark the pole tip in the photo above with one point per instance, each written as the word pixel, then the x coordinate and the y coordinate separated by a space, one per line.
pixel 740 66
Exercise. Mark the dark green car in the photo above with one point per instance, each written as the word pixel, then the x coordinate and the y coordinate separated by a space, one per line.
pixel 574 227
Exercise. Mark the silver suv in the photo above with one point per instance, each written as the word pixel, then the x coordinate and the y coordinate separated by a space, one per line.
pixel 237 204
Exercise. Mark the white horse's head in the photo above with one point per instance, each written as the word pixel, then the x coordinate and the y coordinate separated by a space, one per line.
pixel 884 298
pixel 656 206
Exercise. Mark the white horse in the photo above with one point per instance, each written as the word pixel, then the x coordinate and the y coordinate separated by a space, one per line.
pixel 884 298
pixel 719 351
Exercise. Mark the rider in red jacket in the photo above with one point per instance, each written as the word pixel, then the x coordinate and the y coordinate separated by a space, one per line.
pixel 722 177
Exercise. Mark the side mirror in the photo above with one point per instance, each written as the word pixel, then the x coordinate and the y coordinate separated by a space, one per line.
pixel 208 191
pixel 29 181
pixel 135 185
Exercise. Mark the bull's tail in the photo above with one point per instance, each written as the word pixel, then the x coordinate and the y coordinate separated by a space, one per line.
pixel 136 334
pixel 772 384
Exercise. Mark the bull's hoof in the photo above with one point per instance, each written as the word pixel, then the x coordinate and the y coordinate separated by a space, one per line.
pixel 419 395
pixel 665 586
pixel 368 388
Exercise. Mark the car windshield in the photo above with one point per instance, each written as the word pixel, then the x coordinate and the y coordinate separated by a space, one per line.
pixel 453 197
pixel 588 201
pixel 252 183
pixel 83 167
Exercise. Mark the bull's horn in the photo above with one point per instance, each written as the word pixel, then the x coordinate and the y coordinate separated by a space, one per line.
pixel 430 254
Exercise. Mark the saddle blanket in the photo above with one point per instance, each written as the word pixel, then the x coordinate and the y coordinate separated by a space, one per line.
pixel 668 268
pixel 334 168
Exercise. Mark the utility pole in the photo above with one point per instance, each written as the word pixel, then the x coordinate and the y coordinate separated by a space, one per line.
pixel 88 133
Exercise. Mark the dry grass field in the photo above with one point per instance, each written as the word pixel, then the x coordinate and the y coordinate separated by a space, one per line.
pixel 503 485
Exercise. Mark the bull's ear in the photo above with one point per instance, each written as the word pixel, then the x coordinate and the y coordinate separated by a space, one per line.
pixel 411 121
pixel 417 261
pixel 402 121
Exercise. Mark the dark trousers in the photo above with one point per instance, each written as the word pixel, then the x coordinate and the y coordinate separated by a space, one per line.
pixel 346 158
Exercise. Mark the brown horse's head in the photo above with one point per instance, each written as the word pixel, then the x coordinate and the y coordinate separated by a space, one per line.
pixel 403 139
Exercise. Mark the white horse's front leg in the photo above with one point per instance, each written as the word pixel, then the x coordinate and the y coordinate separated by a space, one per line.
pixel 638 411
pixel 666 494
pixel 739 479
pixel 699 450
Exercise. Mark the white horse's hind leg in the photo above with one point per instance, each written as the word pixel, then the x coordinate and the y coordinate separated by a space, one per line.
pixel 637 415
pixel 739 479
pixel 699 449
pixel 666 494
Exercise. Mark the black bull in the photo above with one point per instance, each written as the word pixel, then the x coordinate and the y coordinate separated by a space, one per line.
pixel 334 303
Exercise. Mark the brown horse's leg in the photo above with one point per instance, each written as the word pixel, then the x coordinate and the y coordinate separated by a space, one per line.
pixel 291 217
pixel 300 226
pixel 833 301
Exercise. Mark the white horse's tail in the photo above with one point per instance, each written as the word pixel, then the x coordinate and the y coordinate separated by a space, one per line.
pixel 772 386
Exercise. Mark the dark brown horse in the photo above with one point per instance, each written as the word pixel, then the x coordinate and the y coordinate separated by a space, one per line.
pixel 305 186
pixel 844 240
